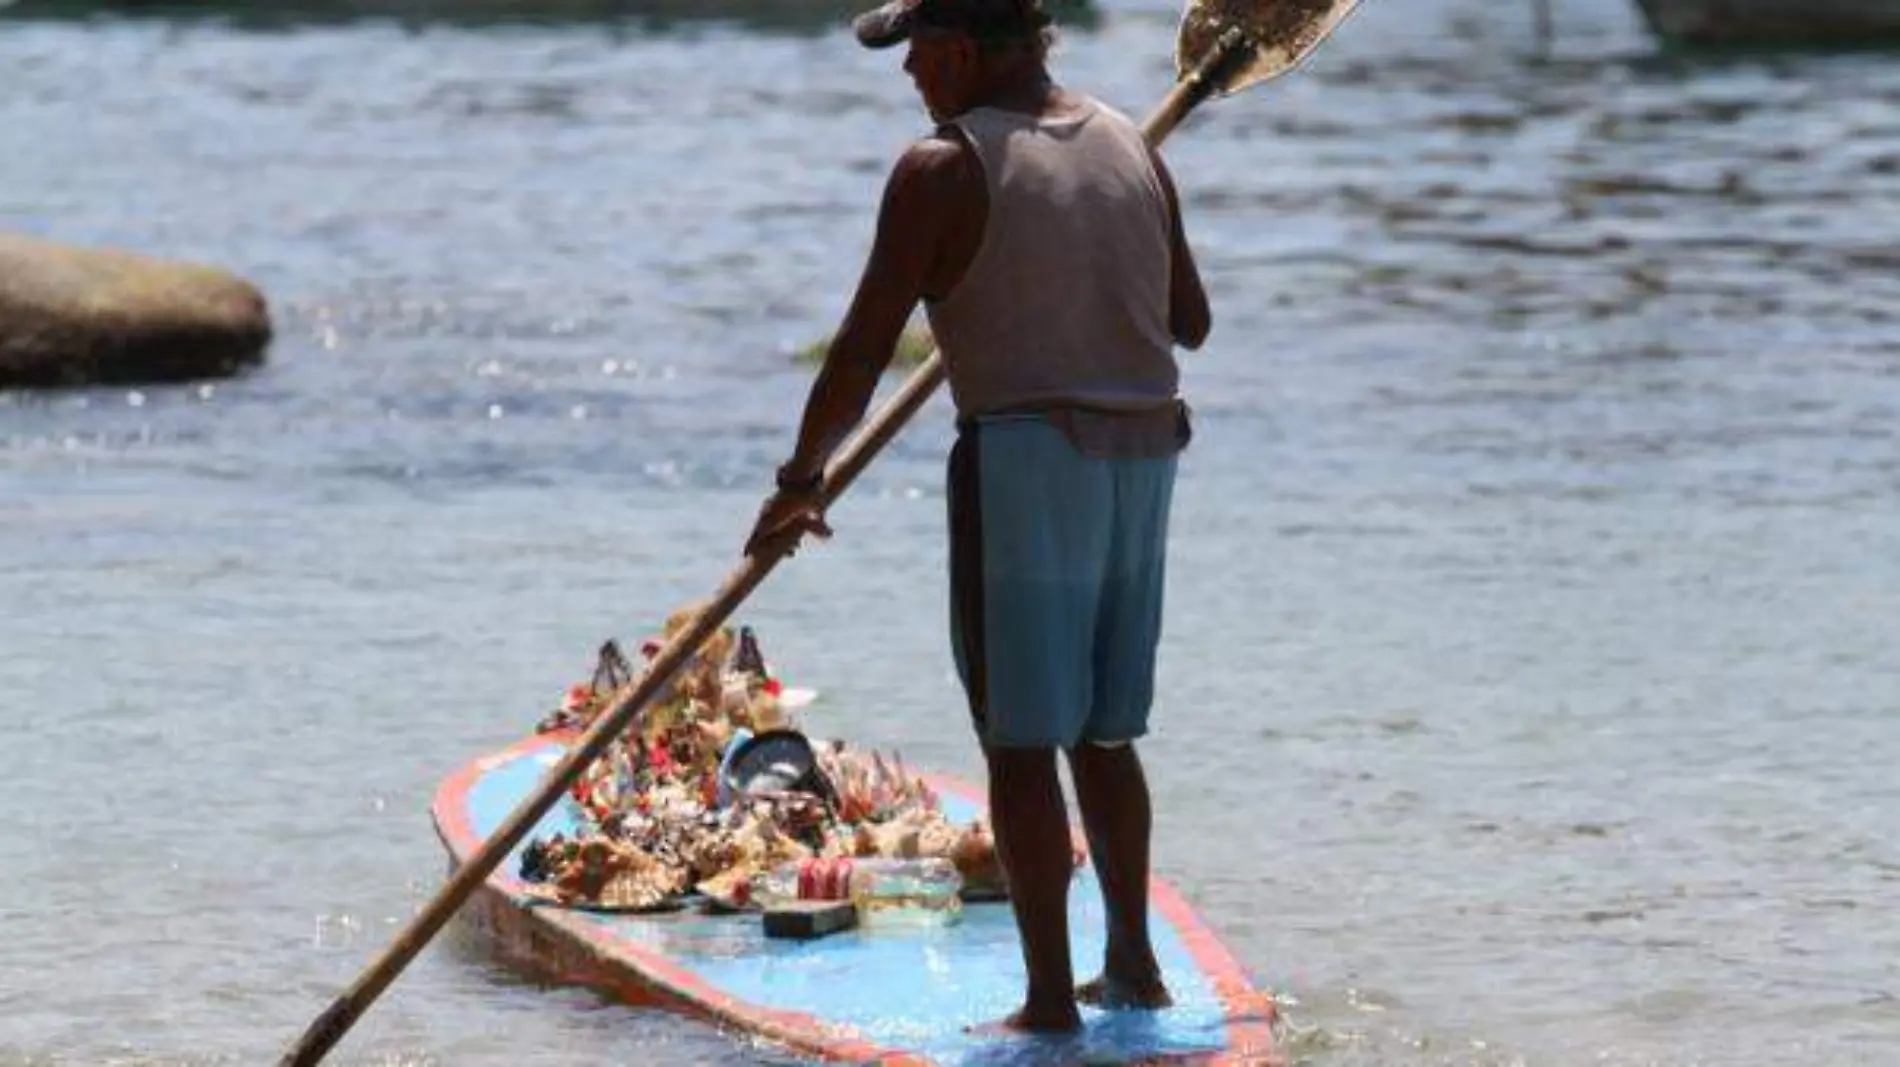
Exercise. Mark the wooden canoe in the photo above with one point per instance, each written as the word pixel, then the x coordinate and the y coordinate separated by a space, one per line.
pixel 876 994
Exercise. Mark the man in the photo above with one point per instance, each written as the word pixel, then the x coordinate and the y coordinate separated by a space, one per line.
pixel 1044 238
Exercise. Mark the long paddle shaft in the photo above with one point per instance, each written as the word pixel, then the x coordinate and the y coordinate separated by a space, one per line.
pixel 328 1028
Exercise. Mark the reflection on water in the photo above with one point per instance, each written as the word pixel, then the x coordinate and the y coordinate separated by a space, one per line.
pixel 1528 688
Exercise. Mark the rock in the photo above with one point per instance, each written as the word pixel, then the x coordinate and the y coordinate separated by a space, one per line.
pixel 81 316
pixel 798 15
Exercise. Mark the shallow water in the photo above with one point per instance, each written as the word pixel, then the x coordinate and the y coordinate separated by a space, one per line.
pixel 1536 560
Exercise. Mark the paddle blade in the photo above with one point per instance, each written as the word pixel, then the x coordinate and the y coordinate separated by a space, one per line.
pixel 1276 35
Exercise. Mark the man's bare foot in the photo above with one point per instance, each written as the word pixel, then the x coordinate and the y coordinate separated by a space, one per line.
pixel 1034 1019
pixel 1116 994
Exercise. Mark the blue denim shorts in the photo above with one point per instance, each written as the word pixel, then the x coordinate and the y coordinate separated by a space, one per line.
pixel 1057 564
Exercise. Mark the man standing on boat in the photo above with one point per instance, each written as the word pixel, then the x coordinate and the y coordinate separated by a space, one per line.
pixel 1044 238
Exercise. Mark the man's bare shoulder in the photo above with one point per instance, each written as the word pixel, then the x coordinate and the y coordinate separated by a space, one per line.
pixel 939 167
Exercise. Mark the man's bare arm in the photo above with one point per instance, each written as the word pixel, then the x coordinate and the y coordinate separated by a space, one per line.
pixel 923 187
pixel 1189 317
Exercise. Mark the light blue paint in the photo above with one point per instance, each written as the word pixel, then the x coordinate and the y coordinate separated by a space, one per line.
pixel 911 989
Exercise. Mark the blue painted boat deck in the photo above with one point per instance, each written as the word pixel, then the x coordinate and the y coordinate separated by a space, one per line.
pixel 914 988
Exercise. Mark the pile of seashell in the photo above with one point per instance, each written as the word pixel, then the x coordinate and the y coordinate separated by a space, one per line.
pixel 657 829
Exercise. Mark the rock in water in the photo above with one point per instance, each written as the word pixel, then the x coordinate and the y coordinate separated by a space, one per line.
pixel 81 316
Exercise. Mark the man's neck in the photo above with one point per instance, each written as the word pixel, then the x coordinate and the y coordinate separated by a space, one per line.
pixel 1024 87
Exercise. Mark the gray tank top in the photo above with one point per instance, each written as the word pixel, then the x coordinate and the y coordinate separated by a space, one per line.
pixel 1065 305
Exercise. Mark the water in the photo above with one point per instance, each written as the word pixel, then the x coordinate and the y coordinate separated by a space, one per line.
pixel 1529 686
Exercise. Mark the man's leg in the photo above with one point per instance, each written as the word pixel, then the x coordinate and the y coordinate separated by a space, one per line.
pixel 1027 554
pixel 1031 822
pixel 1113 795
pixel 1110 787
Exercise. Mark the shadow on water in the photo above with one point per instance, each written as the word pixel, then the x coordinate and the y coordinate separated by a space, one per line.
pixel 781 15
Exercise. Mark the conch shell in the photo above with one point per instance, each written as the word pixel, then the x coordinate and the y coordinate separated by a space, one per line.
pixel 976 859
pixel 614 875
pixel 637 888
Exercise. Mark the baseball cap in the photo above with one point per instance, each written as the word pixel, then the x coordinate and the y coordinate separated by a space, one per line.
pixel 892 23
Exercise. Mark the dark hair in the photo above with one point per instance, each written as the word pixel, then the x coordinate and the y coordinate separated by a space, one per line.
pixel 1036 41
pixel 1040 27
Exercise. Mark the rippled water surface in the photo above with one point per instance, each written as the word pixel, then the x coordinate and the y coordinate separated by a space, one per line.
pixel 1529 688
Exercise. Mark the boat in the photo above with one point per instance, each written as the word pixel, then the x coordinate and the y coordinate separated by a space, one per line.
pixel 903 993
pixel 1774 23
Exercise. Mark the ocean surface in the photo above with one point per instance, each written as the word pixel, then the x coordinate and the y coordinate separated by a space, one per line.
pixel 1531 690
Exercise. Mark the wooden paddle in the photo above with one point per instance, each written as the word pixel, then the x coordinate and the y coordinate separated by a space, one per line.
pixel 1222 46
